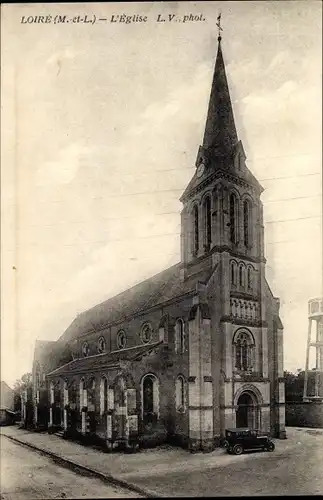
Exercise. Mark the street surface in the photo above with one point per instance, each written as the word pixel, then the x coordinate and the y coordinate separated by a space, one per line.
pixel 26 474
pixel 294 468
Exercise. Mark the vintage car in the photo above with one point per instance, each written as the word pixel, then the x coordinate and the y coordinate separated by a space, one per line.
pixel 239 440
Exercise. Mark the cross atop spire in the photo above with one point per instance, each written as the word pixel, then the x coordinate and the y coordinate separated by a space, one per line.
pixel 219 27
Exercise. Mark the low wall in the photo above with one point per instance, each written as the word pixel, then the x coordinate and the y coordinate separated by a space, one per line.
pixel 299 414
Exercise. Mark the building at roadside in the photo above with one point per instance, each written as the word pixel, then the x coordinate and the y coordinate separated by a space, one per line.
pixel 194 350
pixel 7 415
pixel 7 396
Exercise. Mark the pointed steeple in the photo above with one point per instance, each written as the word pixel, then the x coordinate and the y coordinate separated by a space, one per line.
pixel 220 134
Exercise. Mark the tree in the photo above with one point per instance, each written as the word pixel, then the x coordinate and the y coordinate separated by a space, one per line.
pixel 294 384
pixel 22 384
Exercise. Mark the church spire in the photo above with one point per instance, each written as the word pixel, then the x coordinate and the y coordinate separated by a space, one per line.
pixel 220 132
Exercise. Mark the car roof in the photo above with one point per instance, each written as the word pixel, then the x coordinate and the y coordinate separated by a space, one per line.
pixel 240 429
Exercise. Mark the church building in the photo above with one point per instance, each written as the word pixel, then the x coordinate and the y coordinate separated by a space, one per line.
pixel 197 348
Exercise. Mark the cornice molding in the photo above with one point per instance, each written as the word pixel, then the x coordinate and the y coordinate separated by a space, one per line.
pixel 223 175
pixel 222 249
pixel 244 296
pixel 241 322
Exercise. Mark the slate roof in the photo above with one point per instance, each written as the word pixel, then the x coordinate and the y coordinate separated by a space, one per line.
pixel 156 290
pixel 106 360
pixel 220 141
pixel 43 349
pixel 49 354
pixel 220 131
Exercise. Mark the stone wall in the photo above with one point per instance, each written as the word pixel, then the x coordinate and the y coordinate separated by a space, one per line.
pixel 300 414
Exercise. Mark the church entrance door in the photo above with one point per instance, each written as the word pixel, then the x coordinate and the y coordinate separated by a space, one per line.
pixel 247 412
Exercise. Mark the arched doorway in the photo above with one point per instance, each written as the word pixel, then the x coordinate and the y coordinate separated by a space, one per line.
pixel 247 411
pixel 150 400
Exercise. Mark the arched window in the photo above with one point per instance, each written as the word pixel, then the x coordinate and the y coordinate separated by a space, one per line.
pixel 238 355
pixel 85 349
pixel 101 345
pixel 249 278
pixel 121 339
pixel 150 398
pixel 241 276
pixel 207 222
pixel 180 393
pixel 179 336
pixel 148 393
pixel 233 218
pixel 233 273
pixel 195 230
pixel 146 333
pixel 244 352
pixel 246 222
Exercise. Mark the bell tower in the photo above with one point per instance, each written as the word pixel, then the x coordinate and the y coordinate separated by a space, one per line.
pixel 222 208
pixel 222 245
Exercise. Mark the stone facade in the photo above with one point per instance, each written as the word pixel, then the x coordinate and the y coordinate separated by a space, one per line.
pixel 195 349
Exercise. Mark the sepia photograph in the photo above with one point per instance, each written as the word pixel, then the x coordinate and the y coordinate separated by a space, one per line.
pixel 161 249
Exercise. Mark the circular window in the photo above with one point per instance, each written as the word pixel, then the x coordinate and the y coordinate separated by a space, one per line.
pixel 85 349
pixel 101 345
pixel 146 333
pixel 121 339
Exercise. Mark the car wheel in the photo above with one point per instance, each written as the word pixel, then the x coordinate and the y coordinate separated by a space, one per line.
pixel 270 446
pixel 237 449
pixel 229 450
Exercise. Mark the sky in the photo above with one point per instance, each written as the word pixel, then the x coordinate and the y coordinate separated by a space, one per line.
pixel 101 125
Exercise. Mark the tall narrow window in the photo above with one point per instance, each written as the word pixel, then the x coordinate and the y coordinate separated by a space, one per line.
pixel 246 223
pixel 207 223
pixel 244 355
pixel 180 395
pixel 195 230
pixel 233 273
pixel 249 279
pixel 148 395
pixel 238 355
pixel 244 348
pixel 179 336
pixel 233 222
pixel 241 276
